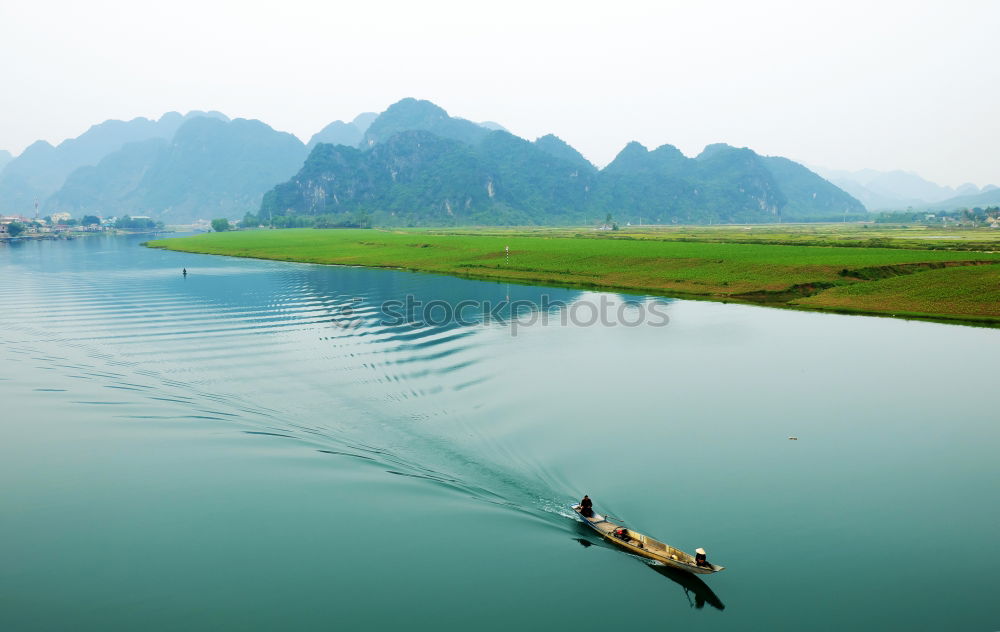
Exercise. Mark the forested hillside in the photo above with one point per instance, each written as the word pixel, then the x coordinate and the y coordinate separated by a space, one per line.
pixel 418 166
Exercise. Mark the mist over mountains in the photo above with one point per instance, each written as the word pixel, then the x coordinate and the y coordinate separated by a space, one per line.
pixel 41 169
pixel 341 133
pixel 989 195
pixel 414 164
pixel 210 168
pixel 897 190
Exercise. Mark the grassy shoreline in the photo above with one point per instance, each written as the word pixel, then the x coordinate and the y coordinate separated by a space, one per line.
pixel 960 285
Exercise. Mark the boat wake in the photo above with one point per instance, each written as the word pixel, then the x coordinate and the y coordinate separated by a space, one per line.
pixel 263 349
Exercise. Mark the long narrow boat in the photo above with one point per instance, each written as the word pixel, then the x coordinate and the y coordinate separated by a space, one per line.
pixel 643 545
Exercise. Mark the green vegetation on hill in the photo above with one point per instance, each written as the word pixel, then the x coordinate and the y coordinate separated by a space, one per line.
pixel 415 115
pixel 558 148
pixel 420 167
pixel 781 275
pixel 809 196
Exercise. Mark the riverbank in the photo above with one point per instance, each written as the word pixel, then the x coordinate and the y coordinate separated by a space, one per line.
pixel 5 238
pixel 66 235
pixel 951 285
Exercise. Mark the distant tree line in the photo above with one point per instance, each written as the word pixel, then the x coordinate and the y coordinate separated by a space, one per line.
pixel 359 219
pixel 974 216
pixel 138 223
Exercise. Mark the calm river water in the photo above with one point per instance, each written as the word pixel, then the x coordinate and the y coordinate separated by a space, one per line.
pixel 255 447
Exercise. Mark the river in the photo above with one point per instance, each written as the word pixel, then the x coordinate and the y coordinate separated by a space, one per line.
pixel 259 445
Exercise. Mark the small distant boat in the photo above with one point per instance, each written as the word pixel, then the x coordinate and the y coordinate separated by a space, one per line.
pixel 645 546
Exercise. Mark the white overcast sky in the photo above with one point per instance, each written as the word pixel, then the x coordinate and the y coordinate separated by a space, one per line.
pixel 879 84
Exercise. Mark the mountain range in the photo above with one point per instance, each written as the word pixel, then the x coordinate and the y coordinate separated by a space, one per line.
pixel 41 169
pixel 989 195
pixel 210 168
pixel 414 164
pixel 898 190
pixel 417 165
pixel 341 133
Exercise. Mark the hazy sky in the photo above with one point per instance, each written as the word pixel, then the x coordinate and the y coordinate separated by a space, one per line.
pixel 886 85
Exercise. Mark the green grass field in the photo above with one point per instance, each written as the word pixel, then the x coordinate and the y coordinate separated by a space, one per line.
pixel 972 291
pixel 918 237
pixel 803 276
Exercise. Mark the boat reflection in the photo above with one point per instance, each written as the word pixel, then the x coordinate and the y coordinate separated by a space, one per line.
pixel 692 584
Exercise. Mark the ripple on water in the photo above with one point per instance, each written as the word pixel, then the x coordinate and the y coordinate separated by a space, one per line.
pixel 281 352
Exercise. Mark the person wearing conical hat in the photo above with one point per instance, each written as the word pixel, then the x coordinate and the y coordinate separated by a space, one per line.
pixel 699 557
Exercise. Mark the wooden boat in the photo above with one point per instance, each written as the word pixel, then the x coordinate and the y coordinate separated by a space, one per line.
pixel 644 546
